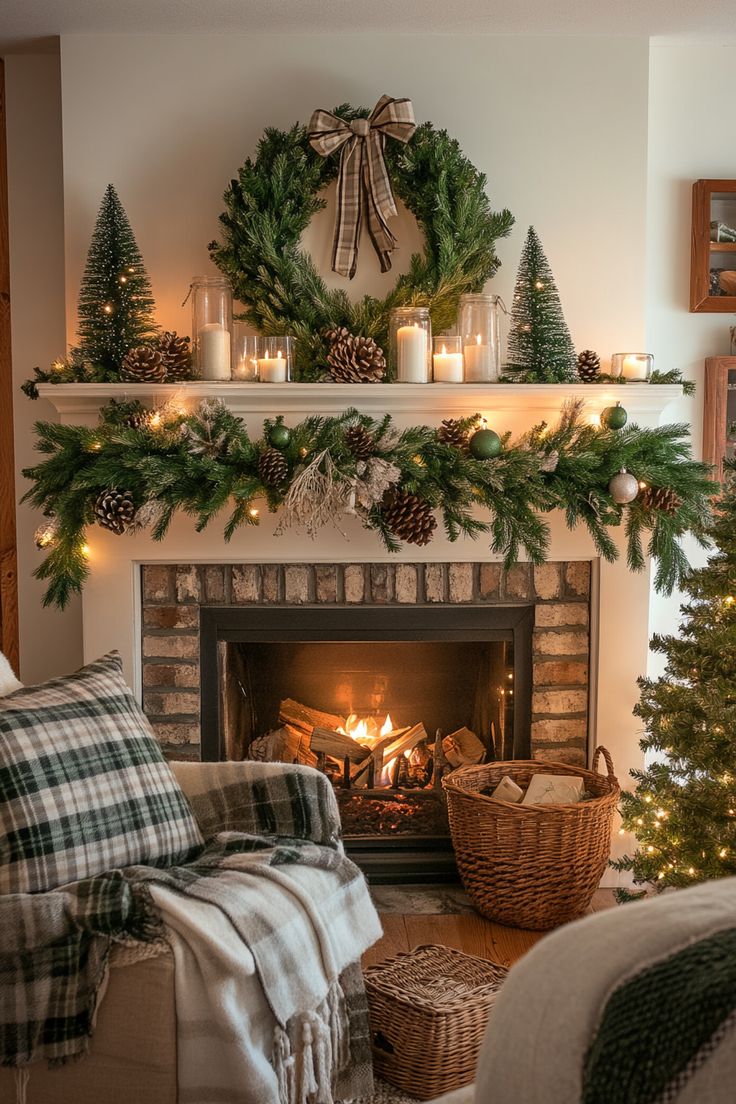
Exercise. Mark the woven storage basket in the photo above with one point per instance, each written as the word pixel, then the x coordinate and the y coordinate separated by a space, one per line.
pixel 429 1010
pixel 530 866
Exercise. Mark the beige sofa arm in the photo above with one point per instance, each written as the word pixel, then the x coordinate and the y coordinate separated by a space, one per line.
pixel 278 799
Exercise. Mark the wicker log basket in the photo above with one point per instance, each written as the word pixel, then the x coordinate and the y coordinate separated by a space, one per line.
pixel 530 866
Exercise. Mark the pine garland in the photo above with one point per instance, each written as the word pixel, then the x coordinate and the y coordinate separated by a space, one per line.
pixel 205 462
pixel 275 197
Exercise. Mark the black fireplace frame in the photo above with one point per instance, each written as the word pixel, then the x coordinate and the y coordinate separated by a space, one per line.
pixel 384 860
pixel 256 624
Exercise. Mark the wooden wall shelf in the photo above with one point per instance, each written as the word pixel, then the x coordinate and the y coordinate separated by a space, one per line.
pixel 719 410
pixel 713 201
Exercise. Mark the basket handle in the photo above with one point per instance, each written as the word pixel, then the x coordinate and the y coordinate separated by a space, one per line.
pixel 600 750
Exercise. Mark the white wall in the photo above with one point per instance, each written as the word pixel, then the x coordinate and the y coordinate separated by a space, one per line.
pixel 692 135
pixel 561 136
pixel 50 641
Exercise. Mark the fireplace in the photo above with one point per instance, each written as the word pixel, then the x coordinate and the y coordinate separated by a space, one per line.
pixel 384 701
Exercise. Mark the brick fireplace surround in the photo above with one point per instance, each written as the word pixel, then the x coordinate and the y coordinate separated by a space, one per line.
pixel 560 591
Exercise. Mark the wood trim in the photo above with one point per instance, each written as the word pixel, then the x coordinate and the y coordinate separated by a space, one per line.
pixel 715 410
pixel 701 301
pixel 8 551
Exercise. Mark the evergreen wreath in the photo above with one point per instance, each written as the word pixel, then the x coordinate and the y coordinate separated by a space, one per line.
pixel 204 462
pixel 275 197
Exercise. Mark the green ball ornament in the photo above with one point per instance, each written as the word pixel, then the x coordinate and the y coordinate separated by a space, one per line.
pixel 614 417
pixel 485 444
pixel 279 436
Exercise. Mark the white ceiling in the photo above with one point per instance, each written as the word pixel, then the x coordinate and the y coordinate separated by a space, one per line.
pixel 22 21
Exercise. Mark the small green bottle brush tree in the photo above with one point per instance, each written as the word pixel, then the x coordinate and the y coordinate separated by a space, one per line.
pixel 683 812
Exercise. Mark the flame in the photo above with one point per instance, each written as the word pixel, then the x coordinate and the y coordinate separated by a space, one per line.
pixel 387 726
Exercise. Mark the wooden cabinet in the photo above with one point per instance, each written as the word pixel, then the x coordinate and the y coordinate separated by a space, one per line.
pixel 713 265
pixel 719 412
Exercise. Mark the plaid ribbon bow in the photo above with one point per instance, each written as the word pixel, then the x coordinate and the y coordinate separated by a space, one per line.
pixel 363 177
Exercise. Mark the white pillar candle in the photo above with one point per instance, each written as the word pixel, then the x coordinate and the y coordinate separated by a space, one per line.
pixel 479 362
pixel 448 367
pixel 411 354
pixel 635 367
pixel 213 352
pixel 272 369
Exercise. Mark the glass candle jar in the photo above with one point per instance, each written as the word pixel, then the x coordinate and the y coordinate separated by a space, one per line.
pixel 410 344
pixel 477 324
pixel 212 323
pixel 447 362
pixel 246 348
pixel 635 367
pixel 275 355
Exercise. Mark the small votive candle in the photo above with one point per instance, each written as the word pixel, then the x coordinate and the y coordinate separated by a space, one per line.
pixel 635 367
pixel 447 362
pixel 245 354
pixel 274 359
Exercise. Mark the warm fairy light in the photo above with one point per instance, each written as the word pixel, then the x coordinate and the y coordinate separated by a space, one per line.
pixel 691 871
pixel 642 485
pixel 86 551
pixel 622 831
pixel 45 535
pixel 639 820
pixel 58 365
pixel 483 422
pixel 729 601
pixel 95 446
pixel 650 849
pixel 303 452
pixel 722 853
pixel 155 421
pixel 107 308
pixel 538 284
pixel 254 512
pixel 660 875
pixel 419 461
pixel 122 279
pixel 595 420
pixel 648 799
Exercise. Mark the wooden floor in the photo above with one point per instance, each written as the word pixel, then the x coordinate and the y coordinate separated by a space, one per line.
pixel 470 933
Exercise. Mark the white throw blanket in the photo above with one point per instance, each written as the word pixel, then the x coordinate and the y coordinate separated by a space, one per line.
pixel 237 1045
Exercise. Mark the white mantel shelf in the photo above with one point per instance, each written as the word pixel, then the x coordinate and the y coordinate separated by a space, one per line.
pixel 299 399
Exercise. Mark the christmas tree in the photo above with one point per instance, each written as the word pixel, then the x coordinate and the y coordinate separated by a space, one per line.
pixel 115 301
pixel 540 348
pixel 684 810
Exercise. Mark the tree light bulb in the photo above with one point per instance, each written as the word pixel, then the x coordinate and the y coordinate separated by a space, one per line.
pixel 107 308
pixel 254 512
pixel 538 284
pixel 122 279
pixel 303 452
pixel 86 551
pixel 729 601
pixel 155 421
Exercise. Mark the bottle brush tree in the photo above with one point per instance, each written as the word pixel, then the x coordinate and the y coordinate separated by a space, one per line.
pixel 683 812
pixel 115 301
pixel 540 349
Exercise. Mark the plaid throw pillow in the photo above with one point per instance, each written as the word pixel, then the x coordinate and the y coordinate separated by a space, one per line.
pixel 84 786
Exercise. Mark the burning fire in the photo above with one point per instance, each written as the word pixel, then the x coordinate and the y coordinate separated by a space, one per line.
pixel 367 732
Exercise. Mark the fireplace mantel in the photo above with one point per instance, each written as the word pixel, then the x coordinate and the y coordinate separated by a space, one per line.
pixel 77 402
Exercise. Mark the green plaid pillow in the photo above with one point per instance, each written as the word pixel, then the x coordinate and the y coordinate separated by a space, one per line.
pixel 84 786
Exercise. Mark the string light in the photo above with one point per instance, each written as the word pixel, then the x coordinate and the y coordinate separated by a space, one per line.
pixel 155 421
pixel 595 421
pixel 58 365
pixel 642 485
pixel 86 551
pixel 303 452
pixel 122 279
pixel 538 284
pixel 107 308
pixel 254 513
pixel 94 446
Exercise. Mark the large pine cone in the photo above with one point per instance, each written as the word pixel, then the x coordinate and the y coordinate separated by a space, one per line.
pixel 273 468
pixel 143 365
pixel 353 358
pixel 360 442
pixel 451 432
pixel 589 365
pixel 408 516
pixel 177 356
pixel 663 499
pixel 115 510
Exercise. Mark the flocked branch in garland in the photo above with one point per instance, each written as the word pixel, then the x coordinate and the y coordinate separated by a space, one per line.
pixel 276 195
pixel 137 468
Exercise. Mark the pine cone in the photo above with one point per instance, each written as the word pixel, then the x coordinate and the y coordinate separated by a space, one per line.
pixel 353 358
pixel 663 499
pixel 451 432
pixel 177 356
pixel 143 365
pixel 138 420
pixel 360 442
pixel 115 510
pixel 589 365
pixel 408 516
pixel 273 468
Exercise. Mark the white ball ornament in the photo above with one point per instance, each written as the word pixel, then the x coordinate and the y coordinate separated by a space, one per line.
pixel 623 488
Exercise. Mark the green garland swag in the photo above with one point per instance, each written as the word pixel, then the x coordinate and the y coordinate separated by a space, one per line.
pixel 274 199
pixel 205 461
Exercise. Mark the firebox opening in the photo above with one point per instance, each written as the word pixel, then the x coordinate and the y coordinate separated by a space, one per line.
pixel 369 691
